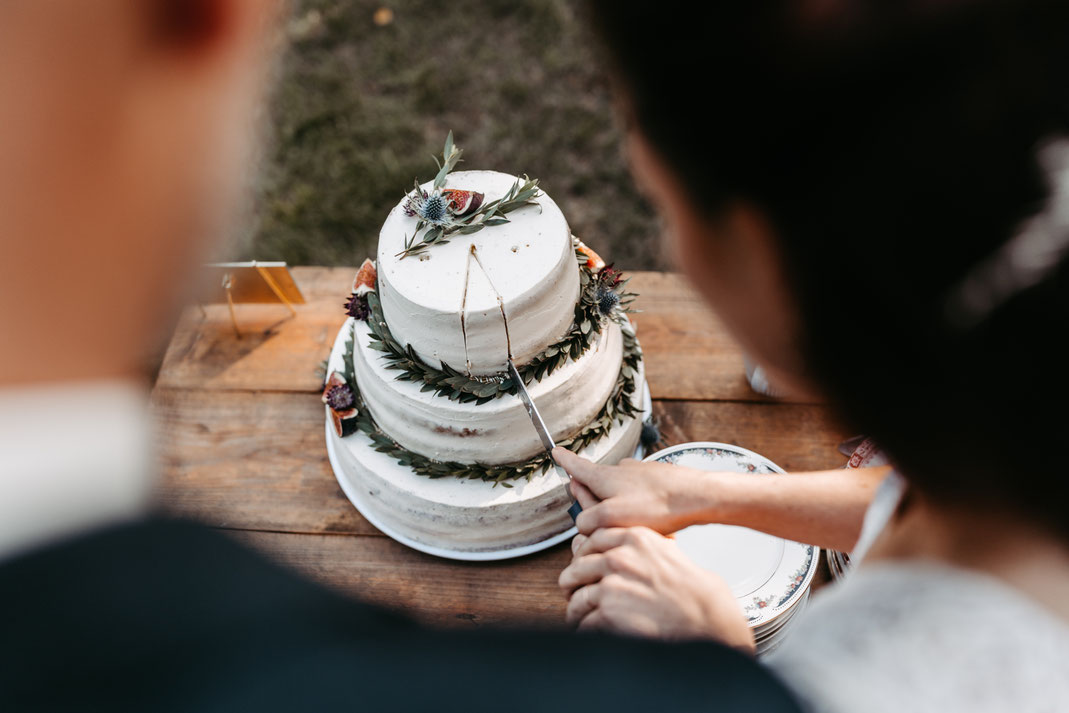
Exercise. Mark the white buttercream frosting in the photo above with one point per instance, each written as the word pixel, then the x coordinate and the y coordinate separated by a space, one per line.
pixel 500 430
pixel 470 515
pixel 450 304
pixel 446 305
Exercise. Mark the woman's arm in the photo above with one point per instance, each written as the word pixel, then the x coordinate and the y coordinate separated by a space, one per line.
pixel 823 508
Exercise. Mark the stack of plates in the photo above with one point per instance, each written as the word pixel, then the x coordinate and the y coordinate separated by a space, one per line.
pixel 769 576
pixel 838 563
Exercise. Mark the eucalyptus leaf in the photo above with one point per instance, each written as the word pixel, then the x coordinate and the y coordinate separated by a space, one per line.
pixel 487 389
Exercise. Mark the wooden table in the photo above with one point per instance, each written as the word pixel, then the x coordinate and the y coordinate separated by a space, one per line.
pixel 243 446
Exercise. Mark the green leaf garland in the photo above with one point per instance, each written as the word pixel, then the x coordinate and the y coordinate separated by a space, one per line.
pixel 617 407
pixel 453 384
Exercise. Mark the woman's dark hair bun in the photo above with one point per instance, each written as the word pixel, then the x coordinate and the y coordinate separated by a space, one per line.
pixel 895 147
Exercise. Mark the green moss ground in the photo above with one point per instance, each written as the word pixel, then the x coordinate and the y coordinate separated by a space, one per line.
pixel 358 110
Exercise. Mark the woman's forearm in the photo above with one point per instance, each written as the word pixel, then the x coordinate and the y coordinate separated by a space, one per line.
pixel 824 508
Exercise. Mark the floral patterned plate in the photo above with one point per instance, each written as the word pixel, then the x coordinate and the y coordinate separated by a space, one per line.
pixel 767 574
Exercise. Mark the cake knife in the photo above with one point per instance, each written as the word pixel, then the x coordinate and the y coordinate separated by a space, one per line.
pixel 543 432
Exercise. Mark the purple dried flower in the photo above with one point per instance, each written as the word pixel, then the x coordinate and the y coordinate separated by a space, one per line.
pixel 414 202
pixel 340 397
pixel 610 276
pixel 357 307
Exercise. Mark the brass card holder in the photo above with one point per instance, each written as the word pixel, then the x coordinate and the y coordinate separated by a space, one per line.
pixel 252 283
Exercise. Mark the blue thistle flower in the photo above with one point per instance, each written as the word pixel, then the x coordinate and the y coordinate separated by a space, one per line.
pixel 651 435
pixel 431 207
pixel 607 300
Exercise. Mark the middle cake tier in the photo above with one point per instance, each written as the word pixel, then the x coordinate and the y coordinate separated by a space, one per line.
pixel 495 432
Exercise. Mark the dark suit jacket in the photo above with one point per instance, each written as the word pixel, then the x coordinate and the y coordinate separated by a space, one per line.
pixel 167 616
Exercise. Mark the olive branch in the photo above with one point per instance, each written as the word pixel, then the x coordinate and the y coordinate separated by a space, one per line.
pixel 486 215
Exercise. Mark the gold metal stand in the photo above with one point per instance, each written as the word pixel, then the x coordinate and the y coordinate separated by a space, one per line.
pixel 254 282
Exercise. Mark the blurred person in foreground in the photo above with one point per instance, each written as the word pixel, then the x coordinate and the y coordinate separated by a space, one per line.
pixel 875 199
pixel 125 127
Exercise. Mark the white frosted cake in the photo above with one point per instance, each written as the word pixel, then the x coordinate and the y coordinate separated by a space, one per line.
pixel 427 434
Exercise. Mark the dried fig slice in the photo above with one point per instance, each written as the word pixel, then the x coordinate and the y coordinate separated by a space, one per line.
pixel 344 421
pixel 594 261
pixel 365 278
pixel 462 202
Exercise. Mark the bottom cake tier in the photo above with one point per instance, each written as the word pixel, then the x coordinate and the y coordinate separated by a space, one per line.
pixel 453 516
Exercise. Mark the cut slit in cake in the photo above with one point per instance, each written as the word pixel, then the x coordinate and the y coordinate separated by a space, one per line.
pixel 473 258
pixel 437 450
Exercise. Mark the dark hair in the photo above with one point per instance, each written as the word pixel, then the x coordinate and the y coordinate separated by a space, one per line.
pixel 893 147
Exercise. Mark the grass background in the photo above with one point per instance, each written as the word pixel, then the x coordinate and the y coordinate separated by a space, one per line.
pixel 359 107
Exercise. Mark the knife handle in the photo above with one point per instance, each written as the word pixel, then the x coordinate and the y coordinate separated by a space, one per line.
pixel 575 509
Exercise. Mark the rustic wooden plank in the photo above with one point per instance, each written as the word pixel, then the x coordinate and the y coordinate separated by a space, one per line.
pixel 689 355
pixel 258 461
pixel 318 283
pixel 436 591
pixel 275 352
pixel 520 592
pixel 240 459
pixel 243 449
pixel 797 437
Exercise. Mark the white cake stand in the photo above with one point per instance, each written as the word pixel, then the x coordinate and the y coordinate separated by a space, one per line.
pixel 358 502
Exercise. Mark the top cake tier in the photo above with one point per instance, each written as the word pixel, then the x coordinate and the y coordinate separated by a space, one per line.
pixel 506 289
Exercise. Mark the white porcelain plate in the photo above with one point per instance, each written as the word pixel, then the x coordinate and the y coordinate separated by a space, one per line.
pixel 767 574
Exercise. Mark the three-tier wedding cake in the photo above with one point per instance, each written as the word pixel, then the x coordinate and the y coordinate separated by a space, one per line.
pixel 426 433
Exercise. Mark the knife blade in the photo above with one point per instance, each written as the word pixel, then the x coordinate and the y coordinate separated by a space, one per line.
pixel 543 432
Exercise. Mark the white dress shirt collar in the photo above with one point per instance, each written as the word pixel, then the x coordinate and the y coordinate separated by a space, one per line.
pixel 72 457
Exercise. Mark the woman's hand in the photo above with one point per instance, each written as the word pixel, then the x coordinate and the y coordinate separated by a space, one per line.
pixel 662 497
pixel 823 508
pixel 635 581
